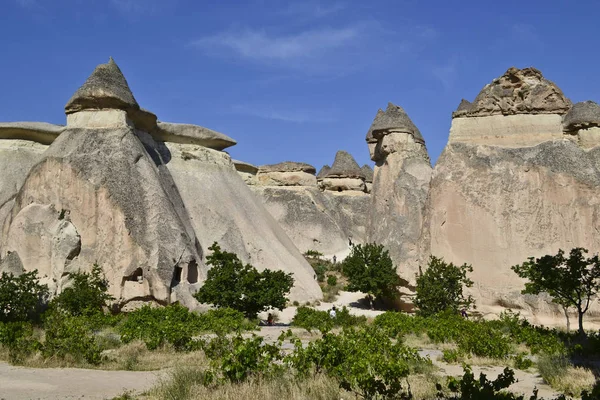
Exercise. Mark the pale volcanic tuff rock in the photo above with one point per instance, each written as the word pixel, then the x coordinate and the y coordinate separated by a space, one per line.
pixel 368 172
pixel 400 187
pixel 511 185
pixel 287 173
pixel 107 191
pixel 583 120
pixel 247 171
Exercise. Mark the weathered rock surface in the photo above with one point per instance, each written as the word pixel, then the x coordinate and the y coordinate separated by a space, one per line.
pixel 223 209
pixel 247 171
pixel 323 172
pixel 369 174
pixel 518 91
pixel 192 134
pixel 40 132
pixel 400 188
pixel 512 185
pixel 124 217
pixel 287 173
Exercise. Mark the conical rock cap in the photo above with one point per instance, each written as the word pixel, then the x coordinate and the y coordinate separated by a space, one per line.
pixel 105 88
pixel 394 118
pixel 345 166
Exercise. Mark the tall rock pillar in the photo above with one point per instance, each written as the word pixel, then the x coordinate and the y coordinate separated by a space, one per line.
pixel 400 188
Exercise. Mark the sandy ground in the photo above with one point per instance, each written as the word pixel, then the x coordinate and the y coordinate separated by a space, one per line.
pixel 70 383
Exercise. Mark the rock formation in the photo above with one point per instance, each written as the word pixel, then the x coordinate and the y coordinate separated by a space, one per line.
pixel 369 174
pixel 515 182
pixel 314 218
pixel 400 187
pixel 345 174
pixel 110 190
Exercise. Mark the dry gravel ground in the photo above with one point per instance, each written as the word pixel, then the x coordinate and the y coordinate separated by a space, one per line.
pixel 18 383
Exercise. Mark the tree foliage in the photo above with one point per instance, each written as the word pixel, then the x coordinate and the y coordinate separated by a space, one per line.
pixel 87 295
pixel 440 287
pixel 232 284
pixel 21 297
pixel 370 270
pixel 571 282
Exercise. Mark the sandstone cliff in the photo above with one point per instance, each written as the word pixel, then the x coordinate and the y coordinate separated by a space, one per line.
pixel 515 181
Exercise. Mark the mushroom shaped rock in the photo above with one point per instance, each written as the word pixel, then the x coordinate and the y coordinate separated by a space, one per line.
pixel 288 173
pixel 345 174
pixel 192 134
pixel 584 121
pixel 100 193
pixel 368 172
pixel 323 172
pixel 247 171
pixel 395 119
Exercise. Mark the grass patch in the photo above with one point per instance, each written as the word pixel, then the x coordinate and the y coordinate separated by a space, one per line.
pixel 561 375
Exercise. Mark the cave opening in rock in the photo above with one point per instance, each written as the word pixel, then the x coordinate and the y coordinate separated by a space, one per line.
pixel 192 275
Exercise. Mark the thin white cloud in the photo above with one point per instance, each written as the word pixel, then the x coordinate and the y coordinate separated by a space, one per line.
pixel 258 45
pixel 269 112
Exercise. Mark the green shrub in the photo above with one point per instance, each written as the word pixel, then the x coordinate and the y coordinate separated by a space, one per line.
pixel 21 297
pixel 440 287
pixel 176 325
pixel 231 284
pixel 331 280
pixel 370 270
pixel 522 361
pixel 69 336
pixel 320 271
pixel 311 319
pixel 451 356
pixel 235 359
pixel 18 338
pixel 87 295
pixel 313 254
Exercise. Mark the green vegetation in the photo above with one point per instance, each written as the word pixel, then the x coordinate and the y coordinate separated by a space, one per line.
pixel 370 270
pixel 232 284
pixel 571 282
pixel 311 319
pixel 440 288
pixel 21 297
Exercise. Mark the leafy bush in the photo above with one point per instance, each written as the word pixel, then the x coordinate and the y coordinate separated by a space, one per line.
pixel 69 336
pixel 17 337
pixel 177 325
pixel 313 254
pixel 87 295
pixel 21 297
pixel 451 356
pixel 369 269
pixel 522 362
pixel 440 287
pixel 311 319
pixel 331 280
pixel 231 284
pixel 235 359
pixel 365 361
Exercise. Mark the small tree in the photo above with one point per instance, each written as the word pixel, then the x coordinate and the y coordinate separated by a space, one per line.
pixel 440 287
pixel 231 284
pixel 370 270
pixel 21 297
pixel 571 282
pixel 87 295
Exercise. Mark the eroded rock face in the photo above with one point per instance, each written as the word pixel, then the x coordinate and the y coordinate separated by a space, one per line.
pixel 192 134
pixel 518 179
pixel 287 173
pixel 247 171
pixel 400 188
pixel 125 222
pixel 223 209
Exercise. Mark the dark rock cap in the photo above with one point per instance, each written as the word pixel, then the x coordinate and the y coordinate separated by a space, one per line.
pixel 345 166
pixel 395 118
pixel 368 172
pixel 192 134
pixel 370 138
pixel 288 166
pixel 105 88
pixel 324 171
pixel 583 115
pixel 518 91
pixel 40 132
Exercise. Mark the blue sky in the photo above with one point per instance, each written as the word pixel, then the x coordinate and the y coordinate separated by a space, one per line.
pixel 294 80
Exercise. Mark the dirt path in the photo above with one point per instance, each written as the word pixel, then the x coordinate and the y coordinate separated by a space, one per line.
pixel 18 383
